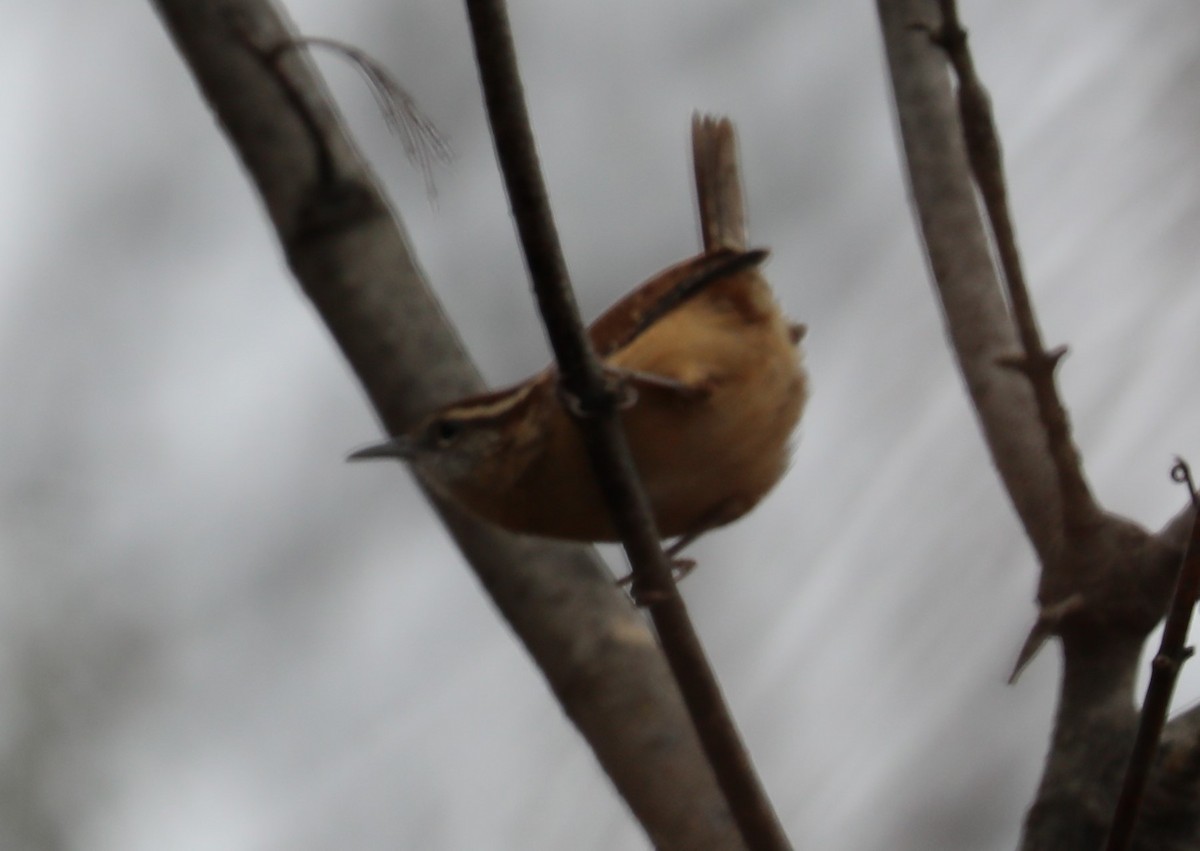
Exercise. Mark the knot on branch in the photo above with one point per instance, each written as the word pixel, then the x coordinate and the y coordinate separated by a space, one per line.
pixel 950 36
pixel 1172 662
pixel 1124 573
pixel 333 202
pixel 333 207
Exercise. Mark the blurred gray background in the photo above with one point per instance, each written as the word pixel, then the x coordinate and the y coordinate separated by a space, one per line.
pixel 214 634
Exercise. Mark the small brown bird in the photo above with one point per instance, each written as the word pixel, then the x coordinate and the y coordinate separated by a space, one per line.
pixel 716 389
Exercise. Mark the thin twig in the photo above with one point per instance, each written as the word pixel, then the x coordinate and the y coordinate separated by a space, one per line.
pixel 987 164
pixel 583 377
pixel 963 272
pixel 1172 653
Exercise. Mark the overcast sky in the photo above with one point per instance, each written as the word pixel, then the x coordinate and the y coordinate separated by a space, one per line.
pixel 217 635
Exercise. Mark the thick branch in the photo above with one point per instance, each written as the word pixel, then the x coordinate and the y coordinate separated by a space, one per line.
pixel 352 259
pixel 1105 580
pixel 1177 531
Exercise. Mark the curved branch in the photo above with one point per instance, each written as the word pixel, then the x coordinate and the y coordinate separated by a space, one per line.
pixel 352 259
pixel 1080 511
pixel 973 305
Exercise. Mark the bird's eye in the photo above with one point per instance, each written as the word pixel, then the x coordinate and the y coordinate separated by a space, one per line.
pixel 445 431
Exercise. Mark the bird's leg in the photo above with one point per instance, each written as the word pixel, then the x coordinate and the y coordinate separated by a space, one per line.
pixel 625 384
pixel 652 381
pixel 680 567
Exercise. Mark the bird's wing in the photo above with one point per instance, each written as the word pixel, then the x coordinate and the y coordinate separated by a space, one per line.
pixel 622 323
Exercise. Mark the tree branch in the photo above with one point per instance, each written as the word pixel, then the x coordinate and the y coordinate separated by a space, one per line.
pixel 1172 653
pixel 1038 365
pixel 1105 580
pixel 957 246
pixel 352 259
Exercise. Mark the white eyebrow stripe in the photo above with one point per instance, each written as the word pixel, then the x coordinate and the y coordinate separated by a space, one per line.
pixel 497 408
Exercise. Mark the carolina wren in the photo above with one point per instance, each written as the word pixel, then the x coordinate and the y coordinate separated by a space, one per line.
pixel 716 387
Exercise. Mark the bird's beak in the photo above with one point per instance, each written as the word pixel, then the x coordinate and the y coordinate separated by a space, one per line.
pixel 402 447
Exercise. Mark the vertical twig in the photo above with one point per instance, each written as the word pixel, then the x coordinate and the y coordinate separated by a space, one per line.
pixel 584 378
pixel 1172 653
pixel 987 165
pixel 950 226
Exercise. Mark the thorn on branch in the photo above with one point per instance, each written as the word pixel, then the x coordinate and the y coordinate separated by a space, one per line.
pixel 1055 355
pixel 1036 365
pixel 1049 622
